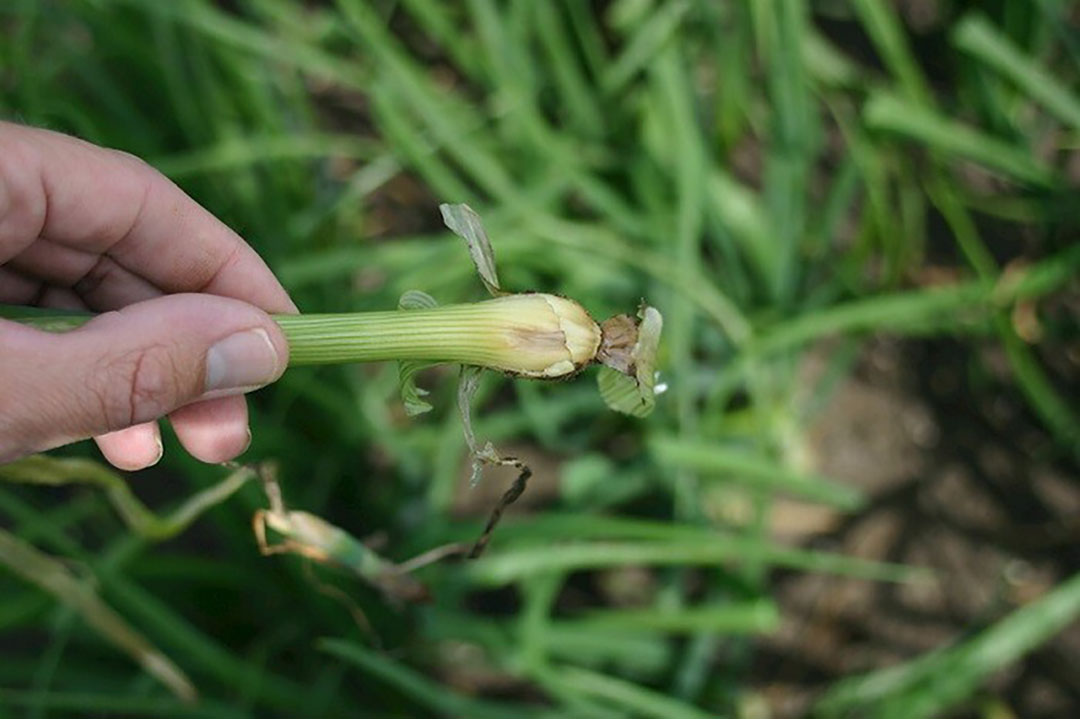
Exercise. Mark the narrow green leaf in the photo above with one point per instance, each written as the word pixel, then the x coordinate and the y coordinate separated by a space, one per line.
pixel 53 576
pixel 759 616
pixel 931 684
pixel 416 300
pixel 82 703
pixel 629 696
pixel 642 47
pixel 741 465
pixel 420 688
pixel 883 25
pixel 223 28
pixel 467 386
pixel 708 549
pixel 45 470
pixel 240 152
pixel 464 222
pixel 975 34
pixel 411 394
pixel 892 114
pixel 407 369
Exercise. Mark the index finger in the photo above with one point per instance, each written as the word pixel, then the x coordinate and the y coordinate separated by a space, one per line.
pixel 88 198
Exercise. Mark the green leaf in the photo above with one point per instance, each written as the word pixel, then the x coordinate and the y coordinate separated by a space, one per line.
pixel 680 546
pixel 734 464
pixel 42 469
pixel 418 687
pixel 892 114
pixel 52 575
pixel 410 393
pixel 407 369
pixel 621 393
pixel 976 35
pixel 481 455
pixel 416 300
pixel 635 395
pixel 931 684
pixel 465 223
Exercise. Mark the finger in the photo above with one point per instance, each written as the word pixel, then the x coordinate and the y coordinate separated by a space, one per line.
pixel 55 263
pixel 98 279
pixel 215 430
pixel 61 298
pixel 17 289
pixel 130 366
pixel 133 448
pixel 108 286
pixel 51 187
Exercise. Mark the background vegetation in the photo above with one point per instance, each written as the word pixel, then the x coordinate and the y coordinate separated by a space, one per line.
pixel 820 196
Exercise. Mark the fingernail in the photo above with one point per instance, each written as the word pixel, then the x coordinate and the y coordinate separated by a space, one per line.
pixel 241 362
pixel 160 451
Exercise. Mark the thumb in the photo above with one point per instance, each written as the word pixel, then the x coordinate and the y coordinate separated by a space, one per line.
pixel 130 366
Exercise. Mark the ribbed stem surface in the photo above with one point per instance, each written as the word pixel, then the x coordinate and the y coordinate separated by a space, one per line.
pixel 470 334
pixel 536 335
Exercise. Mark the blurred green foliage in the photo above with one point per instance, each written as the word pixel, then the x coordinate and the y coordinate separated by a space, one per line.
pixel 768 174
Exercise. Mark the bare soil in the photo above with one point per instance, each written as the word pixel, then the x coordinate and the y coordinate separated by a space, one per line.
pixel 963 481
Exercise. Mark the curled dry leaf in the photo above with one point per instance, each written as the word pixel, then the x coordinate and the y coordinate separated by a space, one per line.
pixel 464 222
pixel 628 378
pixel 411 395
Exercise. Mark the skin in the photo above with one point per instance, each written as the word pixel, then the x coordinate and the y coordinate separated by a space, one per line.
pixel 83 227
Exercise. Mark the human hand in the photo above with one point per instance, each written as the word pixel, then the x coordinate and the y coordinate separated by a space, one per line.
pixel 83 227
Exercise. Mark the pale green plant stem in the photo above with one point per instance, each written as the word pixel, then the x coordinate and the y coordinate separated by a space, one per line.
pixel 466 333
pixel 481 334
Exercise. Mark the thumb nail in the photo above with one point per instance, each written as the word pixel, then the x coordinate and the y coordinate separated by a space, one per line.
pixel 241 362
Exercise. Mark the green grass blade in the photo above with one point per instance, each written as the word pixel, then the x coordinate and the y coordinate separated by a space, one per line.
pixel 418 687
pixel 53 577
pixel 889 113
pixel 793 140
pixel 887 33
pixel 739 465
pixel 933 683
pixel 45 470
pixel 223 27
pixel 753 617
pixel 975 35
pixel 516 563
pixel 580 102
pixel 1044 398
pixel 119 705
pixel 628 696
pixel 933 308
pixel 240 152
pixel 646 42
